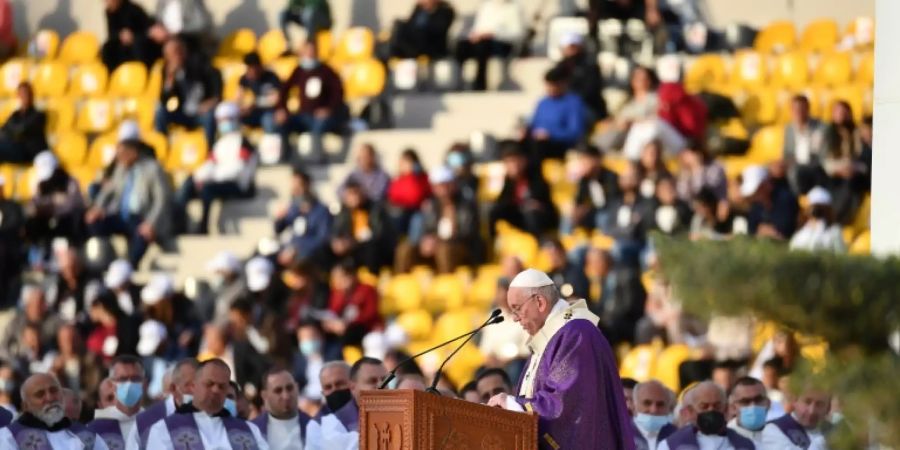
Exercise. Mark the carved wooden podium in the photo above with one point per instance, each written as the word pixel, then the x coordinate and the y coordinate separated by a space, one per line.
pixel 415 420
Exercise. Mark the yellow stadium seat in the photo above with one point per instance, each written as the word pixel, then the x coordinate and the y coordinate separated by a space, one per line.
pixel 129 79
pixel 325 44
pixel 707 70
pixel 356 44
pixel 791 71
pixel 776 37
pixel 750 69
pixel 8 172
pixel 667 365
pixel 159 143
pixel 446 293
pixel 154 80
pixel 271 45
pixel 516 243
pixel 140 109
pixel 80 47
pixel 102 151
pixel 50 79
pixel 767 145
pixel 865 71
pixel 238 44
pixel 60 114
pixel 8 107
pixel 44 45
pixel 760 107
pixel 405 291
pixel 834 69
pixel 452 323
pixel 850 93
pixel 71 148
pixel 484 287
pixel 96 115
pixel 861 219
pixel 84 176
pixel 862 30
pixel 640 363
pixel 352 353
pixel 862 244
pixel 283 67
pixel 89 79
pixel 820 36
pixel 417 323
pixel 231 77
pixel 13 72
pixel 363 79
pixel 188 151
pixel 26 182
pixel 462 367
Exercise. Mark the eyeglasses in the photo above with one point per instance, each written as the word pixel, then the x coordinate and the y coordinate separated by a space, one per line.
pixel 517 309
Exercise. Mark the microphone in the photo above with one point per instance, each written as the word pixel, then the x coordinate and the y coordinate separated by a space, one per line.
pixel 495 318
pixel 393 373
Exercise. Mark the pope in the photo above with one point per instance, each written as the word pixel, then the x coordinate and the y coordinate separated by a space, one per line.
pixel 571 381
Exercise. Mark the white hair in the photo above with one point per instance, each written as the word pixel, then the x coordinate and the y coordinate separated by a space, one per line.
pixel 333 364
pixel 670 396
pixel 690 394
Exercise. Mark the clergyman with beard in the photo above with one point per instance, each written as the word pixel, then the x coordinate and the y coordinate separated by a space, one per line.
pixel 43 423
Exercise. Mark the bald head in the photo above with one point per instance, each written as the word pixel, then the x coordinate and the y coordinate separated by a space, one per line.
pixel 41 397
pixel 653 398
pixel 705 396
pixel 334 376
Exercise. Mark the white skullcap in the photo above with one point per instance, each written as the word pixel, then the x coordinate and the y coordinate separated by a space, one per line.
pixel 259 273
pixel 441 175
pixel 819 196
pixel 571 39
pixel 224 261
pixel 128 130
pixel 227 110
pixel 119 273
pixel 44 165
pixel 152 334
pixel 530 278
pixel 158 288
pixel 751 179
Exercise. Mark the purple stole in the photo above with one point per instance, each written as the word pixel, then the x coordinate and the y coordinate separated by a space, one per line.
pixel 641 443
pixel 28 438
pixel 262 421
pixel 793 430
pixel 686 438
pixel 348 415
pixel 6 417
pixel 185 436
pixel 110 431
pixel 146 419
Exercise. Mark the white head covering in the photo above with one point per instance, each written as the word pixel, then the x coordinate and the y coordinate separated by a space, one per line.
pixel 259 273
pixel 440 175
pixel 45 164
pixel 224 261
pixel 159 287
pixel 752 178
pixel 530 278
pixel 819 196
pixel 119 273
pixel 152 334
pixel 227 110
pixel 571 39
pixel 128 130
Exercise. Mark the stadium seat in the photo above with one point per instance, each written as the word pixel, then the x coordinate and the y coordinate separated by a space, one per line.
pixel 760 107
pixel 865 71
pixel 510 241
pixel 363 79
pixel 12 73
pixel 791 71
pixel 452 323
pixel 8 172
pixel 44 45
pixel 89 79
pixel 129 79
pixel 862 244
pixel 640 362
pixel 96 115
pixel 668 363
pixel 60 114
pixel 850 93
pixel 484 287
pixel 417 323
pixel 766 146
pixel 237 44
pixel 283 67
pixel 271 45
pixel 154 80
pixel 188 151
pixel 356 44
pixel 750 69
pixel 80 47
pixel 50 79
pixel 862 31
pixel 158 141
pixel 231 77
pixel 26 182
pixel 446 293
pixel 833 70
pixel 820 36
pixel 71 149
pixel 325 44
pixel 707 70
pixel 462 367
pixel 139 108
pixel 405 291
pixel 102 151
pixel 776 37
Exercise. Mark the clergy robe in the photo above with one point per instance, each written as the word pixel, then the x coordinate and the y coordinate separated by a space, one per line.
pixel 112 425
pixel 28 432
pixel 6 417
pixel 785 433
pixel 690 438
pixel 573 385
pixel 137 437
pixel 283 434
pixel 755 436
pixel 335 430
pixel 211 431
pixel 644 440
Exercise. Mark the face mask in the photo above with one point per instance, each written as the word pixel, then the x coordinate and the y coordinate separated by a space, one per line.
pixel 753 417
pixel 310 347
pixel 227 126
pixel 836 418
pixel 308 63
pixel 711 422
pixel 129 393
pixel 650 423
pixel 7 385
pixel 186 398
pixel 231 407
pixel 456 160
pixel 338 399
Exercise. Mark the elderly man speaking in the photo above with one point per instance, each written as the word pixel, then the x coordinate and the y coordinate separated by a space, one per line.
pixel 571 382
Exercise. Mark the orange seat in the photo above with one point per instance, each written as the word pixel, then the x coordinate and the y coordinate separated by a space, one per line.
pixel 89 79
pixel 833 70
pixel 767 145
pixel 760 107
pixel 776 37
pixel 44 45
pixel 271 45
pixel 80 47
pixel 356 44
pixel 154 80
pixel 238 44
pixel 71 149
pixel 862 32
pixel 188 152
pixel 13 73
pixel 363 79
pixel 50 79
pixel 96 115
pixel 102 151
pixel 60 114
pixel 750 69
pixel 446 293
pixel 129 79
pixel 819 36
pixel 791 71
pixel 283 67
pixel 865 72
pixel 707 70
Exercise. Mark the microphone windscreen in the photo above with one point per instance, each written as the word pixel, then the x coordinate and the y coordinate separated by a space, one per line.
pixel 497 319
pixel 496 312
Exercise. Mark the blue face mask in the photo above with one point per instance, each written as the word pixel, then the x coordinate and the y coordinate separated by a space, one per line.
pixel 309 63
pixel 651 423
pixel 231 407
pixel 310 347
pixel 456 160
pixel 753 417
pixel 129 393
pixel 227 126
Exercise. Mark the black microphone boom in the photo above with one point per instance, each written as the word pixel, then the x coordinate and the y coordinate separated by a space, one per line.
pixel 495 318
pixel 393 373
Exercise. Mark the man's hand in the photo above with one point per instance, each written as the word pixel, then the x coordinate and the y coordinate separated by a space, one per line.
pixel 540 134
pixel 498 401
pixel 322 113
pixel 280 116
pixel 335 326
pixel 158 33
pixel 286 256
pixel 126 37
pixel 92 215
pixel 146 231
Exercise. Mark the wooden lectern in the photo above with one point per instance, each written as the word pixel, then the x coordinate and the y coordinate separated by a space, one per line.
pixel 416 420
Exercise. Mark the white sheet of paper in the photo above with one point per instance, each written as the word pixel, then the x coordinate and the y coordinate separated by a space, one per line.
pixel 513 405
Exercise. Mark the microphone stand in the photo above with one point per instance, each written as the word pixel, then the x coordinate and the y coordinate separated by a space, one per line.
pixel 437 375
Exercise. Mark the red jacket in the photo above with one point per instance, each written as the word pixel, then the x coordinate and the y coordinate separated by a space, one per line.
pixel 409 191
pixel 357 306
pixel 687 113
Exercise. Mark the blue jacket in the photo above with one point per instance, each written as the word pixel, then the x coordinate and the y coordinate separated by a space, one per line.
pixel 563 117
pixel 308 231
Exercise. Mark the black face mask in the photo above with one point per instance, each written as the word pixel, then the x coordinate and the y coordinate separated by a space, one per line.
pixel 338 399
pixel 711 422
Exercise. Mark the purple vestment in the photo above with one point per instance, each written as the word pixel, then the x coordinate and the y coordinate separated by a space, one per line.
pixel 793 430
pixel 686 439
pixel 6 417
pixel 36 439
pixel 185 435
pixel 146 418
pixel 640 442
pixel 578 394
pixel 262 421
pixel 110 431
